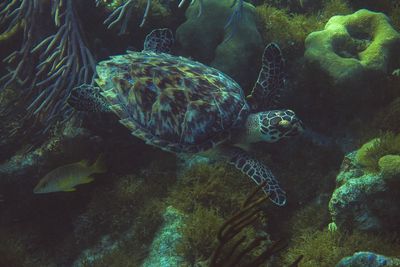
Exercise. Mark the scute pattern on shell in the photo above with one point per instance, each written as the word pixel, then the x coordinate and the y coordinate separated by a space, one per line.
pixel 172 102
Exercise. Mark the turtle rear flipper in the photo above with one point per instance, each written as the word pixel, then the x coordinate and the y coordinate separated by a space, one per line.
pixel 87 98
pixel 270 80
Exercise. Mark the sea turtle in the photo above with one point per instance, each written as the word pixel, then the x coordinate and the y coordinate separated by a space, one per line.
pixel 184 106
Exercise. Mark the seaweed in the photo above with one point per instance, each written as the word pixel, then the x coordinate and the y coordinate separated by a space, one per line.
pixel 289 29
pixel 198 234
pixel 218 186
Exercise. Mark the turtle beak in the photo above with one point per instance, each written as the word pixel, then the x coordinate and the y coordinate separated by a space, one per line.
pixel 295 127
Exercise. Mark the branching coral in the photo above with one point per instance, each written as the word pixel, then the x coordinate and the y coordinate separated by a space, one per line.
pixel 48 69
pixel 64 58
pixel 122 14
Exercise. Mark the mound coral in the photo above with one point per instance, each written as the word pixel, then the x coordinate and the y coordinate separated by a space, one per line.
pixel 354 46
pixel 208 39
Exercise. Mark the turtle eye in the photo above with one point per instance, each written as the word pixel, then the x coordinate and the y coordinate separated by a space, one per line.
pixel 284 123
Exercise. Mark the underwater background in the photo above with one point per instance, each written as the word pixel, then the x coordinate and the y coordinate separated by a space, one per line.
pixel 78 189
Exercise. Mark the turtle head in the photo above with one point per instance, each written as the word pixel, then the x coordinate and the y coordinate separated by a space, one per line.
pixel 271 126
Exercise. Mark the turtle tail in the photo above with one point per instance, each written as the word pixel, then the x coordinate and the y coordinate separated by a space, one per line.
pixel 88 98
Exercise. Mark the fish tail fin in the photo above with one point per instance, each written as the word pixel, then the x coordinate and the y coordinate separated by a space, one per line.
pixel 99 166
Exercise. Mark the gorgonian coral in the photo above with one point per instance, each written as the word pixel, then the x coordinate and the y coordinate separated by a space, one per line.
pixel 46 69
pixel 122 14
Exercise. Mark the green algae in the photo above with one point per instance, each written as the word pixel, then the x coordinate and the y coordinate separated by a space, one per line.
pixel 199 234
pixel 212 186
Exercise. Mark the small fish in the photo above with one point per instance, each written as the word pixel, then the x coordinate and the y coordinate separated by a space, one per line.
pixel 66 177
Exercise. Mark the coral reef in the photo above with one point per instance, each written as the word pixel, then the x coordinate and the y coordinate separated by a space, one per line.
pixel 366 199
pixel 207 39
pixel 320 247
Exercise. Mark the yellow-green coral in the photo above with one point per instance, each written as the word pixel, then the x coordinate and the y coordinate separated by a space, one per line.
pixel 390 166
pixel 369 154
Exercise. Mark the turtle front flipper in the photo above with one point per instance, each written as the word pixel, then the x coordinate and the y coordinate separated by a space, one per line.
pixel 159 41
pixel 258 172
pixel 88 98
pixel 270 80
